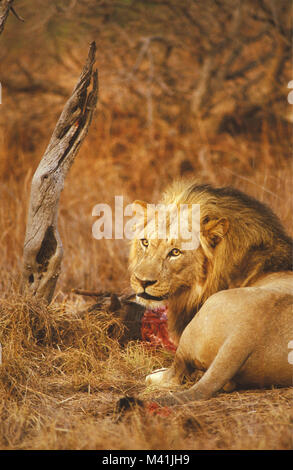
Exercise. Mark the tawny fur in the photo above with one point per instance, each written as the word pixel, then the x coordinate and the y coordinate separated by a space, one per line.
pixel 229 300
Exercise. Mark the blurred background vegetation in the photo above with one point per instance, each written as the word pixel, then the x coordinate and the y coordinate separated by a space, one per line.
pixel 187 88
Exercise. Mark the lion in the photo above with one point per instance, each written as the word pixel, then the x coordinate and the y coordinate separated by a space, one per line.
pixel 229 299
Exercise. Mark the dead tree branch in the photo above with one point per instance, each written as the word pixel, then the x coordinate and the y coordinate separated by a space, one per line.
pixel 16 14
pixel 5 7
pixel 42 247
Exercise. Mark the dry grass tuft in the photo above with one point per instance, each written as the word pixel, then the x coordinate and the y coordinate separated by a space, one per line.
pixel 62 375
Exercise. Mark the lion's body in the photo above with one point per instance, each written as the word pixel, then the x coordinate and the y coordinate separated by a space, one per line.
pixel 230 299
pixel 256 347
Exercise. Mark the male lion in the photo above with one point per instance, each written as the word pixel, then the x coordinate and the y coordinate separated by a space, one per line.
pixel 229 300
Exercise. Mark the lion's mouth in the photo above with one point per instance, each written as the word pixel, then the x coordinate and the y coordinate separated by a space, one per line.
pixel 146 296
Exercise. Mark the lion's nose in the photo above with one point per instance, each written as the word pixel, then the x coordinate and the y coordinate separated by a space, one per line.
pixel 145 282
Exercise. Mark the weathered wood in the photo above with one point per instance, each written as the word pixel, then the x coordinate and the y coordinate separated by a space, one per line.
pixel 43 247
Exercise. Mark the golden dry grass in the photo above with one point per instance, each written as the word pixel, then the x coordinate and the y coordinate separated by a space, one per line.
pixel 61 373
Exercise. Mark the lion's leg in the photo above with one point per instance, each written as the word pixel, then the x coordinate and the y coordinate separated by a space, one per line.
pixel 229 359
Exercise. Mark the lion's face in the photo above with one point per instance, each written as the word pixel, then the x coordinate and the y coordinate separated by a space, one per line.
pixel 161 268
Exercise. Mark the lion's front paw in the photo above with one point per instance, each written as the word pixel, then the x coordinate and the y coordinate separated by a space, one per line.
pixel 156 378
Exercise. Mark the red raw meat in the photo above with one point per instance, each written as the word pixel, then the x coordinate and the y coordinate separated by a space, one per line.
pixel 154 328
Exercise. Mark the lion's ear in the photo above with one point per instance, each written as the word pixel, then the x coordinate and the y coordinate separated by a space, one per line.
pixel 215 230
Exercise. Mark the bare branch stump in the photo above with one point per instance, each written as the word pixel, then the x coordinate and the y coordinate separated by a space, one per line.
pixel 43 247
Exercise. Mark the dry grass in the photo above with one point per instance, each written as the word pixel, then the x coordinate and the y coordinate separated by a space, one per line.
pixel 62 373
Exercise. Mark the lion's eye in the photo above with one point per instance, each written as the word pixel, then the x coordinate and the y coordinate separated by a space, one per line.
pixel 175 252
pixel 144 242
